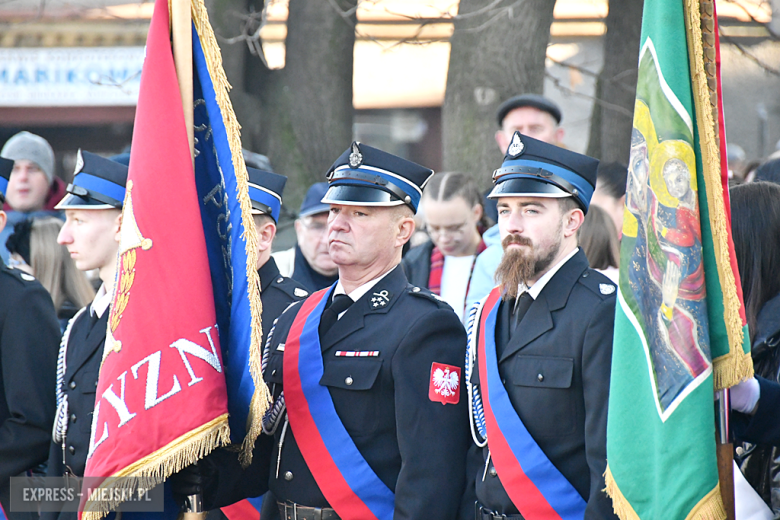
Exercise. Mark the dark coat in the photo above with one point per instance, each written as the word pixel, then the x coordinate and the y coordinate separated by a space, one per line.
pixel 276 293
pixel 760 463
pixel 566 336
pixel 85 351
pixel 417 447
pixel 29 336
pixel 417 264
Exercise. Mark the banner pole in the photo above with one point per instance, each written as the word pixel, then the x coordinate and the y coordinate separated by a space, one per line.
pixel 725 453
pixel 181 27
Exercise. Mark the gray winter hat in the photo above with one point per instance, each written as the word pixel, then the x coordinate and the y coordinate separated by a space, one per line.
pixel 30 147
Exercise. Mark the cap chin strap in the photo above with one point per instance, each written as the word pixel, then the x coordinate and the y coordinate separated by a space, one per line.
pixel 373 179
pixel 543 174
pixel 84 193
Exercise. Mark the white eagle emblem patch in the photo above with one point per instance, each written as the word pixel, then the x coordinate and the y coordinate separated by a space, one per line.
pixel 445 384
pixel 606 288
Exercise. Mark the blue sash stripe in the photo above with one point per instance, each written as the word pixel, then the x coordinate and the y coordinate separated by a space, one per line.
pixel 558 491
pixel 356 471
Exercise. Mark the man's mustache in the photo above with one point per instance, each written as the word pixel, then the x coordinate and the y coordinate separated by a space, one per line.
pixel 516 239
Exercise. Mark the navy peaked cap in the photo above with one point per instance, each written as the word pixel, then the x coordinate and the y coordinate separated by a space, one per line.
pixel 529 100
pixel 312 203
pixel 367 176
pixel 265 192
pixel 6 167
pixel 98 183
pixel 533 168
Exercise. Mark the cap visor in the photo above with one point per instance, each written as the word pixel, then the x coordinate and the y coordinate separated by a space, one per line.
pixel 527 188
pixel 71 201
pixel 359 196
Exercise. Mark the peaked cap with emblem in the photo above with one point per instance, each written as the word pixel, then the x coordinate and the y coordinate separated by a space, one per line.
pixel 98 183
pixel 265 192
pixel 6 167
pixel 366 176
pixel 533 168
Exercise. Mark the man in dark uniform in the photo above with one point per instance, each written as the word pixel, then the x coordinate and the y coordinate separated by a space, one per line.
pixel 29 335
pixel 540 348
pixel 93 215
pixel 276 291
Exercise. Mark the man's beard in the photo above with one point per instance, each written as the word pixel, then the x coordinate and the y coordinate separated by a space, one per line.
pixel 519 265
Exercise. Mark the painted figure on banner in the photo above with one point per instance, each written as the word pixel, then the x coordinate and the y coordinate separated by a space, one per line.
pixel 666 277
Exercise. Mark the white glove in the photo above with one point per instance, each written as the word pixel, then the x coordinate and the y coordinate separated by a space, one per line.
pixel 745 395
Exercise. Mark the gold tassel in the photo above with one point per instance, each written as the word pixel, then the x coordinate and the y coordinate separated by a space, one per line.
pixel 735 366
pixel 262 398
pixel 158 466
pixel 710 507
pixel 620 505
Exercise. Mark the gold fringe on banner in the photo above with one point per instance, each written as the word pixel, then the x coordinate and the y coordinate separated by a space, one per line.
pixel 709 508
pixel 155 468
pixel 262 397
pixel 736 366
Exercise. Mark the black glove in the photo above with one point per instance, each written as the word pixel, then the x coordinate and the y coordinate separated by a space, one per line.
pixel 199 478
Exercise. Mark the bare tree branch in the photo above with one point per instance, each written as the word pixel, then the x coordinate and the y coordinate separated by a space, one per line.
pixel 748 54
pixel 587 72
pixel 611 106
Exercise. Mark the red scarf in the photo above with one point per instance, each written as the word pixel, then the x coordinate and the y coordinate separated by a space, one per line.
pixel 437 267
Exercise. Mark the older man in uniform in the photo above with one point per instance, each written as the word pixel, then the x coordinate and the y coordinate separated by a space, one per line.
pixel 29 335
pixel 276 291
pixel 370 367
pixel 540 347
pixel 93 215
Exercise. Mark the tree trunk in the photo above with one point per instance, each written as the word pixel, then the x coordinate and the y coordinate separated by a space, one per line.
pixel 494 55
pixel 610 127
pixel 301 115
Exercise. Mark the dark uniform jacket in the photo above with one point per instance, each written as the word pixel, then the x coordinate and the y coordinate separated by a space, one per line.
pixel 29 336
pixel 84 353
pixel 417 447
pixel 276 293
pixel 556 370
pixel 417 264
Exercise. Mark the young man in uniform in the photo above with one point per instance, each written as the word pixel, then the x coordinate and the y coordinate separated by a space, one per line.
pixel 540 348
pixel 29 336
pixel 93 215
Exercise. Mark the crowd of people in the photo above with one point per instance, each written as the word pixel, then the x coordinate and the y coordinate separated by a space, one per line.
pixel 447 369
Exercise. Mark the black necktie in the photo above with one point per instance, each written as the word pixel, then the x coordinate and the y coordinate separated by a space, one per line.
pixel 330 315
pixel 521 307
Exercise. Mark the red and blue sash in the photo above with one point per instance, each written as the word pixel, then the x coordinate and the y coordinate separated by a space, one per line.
pixel 533 483
pixel 349 484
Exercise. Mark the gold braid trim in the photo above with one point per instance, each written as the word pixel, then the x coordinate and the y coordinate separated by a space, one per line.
pixel 735 366
pixel 262 397
pixel 158 466
pixel 620 504
pixel 710 507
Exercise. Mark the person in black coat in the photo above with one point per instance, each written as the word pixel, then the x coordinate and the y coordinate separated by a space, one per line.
pixel 384 381
pixel 29 336
pixel 91 234
pixel 543 364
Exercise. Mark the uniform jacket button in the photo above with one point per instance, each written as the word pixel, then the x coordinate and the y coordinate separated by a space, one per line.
pixel 72 385
pixel 349 380
pixel 288 475
pixel 71 449
pixel 279 280
pixel 492 471
pixel 540 377
pixel 740 450
pixel 73 418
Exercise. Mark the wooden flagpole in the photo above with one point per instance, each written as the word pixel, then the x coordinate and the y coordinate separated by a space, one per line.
pixel 181 26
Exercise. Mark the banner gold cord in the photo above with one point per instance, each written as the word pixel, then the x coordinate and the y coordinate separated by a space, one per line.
pixel 736 366
pixel 261 398
pixel 158 466
pixel 709 508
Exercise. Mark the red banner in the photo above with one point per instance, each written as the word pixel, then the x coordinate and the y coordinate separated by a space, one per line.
pixel 161 399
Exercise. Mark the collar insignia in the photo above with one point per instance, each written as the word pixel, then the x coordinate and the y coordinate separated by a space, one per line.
pixel 516 147
pixel 606 288
pixel 300 293
pixel 355 158
pixel 380 299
